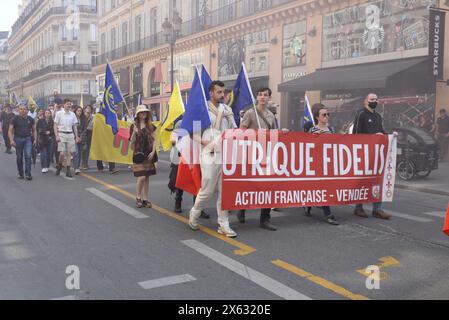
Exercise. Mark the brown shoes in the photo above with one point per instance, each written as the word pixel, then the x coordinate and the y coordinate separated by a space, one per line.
pixel 376 214
pixel 360 213
pixel 381 215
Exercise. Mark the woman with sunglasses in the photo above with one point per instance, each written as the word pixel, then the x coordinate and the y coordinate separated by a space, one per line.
pixel 321 118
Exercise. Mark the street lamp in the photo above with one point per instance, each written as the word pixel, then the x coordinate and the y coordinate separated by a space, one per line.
pixel 171 32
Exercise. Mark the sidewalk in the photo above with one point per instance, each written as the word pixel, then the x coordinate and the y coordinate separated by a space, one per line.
pixel 436 183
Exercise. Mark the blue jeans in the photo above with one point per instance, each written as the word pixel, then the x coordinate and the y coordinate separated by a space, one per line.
pixel 77 157
pixel 23 145
pixel 46 154
pixel 377 206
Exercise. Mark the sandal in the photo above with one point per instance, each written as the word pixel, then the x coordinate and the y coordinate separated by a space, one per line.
pixel 147 204
pixel 139 203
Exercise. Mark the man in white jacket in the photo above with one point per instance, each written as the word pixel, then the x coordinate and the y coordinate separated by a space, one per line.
pixel 222 118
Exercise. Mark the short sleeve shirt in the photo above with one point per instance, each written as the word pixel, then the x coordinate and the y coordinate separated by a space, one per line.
pixel 22 126
pixel 249 120
pixel 316 129
pixel 65 121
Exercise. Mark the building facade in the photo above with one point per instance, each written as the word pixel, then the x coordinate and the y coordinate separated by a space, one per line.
pixel 52 46
pixel 290 45
pixel 4 66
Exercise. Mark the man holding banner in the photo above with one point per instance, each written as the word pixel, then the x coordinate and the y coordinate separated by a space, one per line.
pixel 368 121
pixel 267 122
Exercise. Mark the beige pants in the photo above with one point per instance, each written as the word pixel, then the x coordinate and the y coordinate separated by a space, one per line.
pixel 210 179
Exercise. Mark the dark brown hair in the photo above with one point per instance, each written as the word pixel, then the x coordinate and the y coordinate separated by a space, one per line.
pixel 316 108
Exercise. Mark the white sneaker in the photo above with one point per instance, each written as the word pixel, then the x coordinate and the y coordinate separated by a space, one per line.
pixel 193 225
pixel 43 170
pixel 227 231
pixel 77 171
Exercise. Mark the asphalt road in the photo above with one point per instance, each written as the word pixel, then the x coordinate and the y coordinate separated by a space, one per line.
pixel 123 253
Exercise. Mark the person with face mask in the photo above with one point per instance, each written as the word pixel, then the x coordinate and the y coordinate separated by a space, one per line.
pixel 368 121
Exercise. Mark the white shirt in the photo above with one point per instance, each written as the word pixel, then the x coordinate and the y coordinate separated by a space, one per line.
pixel 226 123
pixel 32 114
pixel 65 121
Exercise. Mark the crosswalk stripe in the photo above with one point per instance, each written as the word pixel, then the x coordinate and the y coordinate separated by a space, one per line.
pixel 118 204
pixel 438 214
pixel 65 298
pixel 168 281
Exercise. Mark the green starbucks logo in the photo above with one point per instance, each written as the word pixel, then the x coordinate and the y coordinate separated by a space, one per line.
pixel 374 33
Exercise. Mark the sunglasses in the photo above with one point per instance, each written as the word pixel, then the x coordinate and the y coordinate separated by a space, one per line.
pixel 325 114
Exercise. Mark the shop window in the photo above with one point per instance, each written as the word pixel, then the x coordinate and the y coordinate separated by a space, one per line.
pixel 294 44
pixel 374 28
pixel 248 49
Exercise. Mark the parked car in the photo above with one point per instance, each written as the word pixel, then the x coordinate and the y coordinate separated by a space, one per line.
pixel 417 153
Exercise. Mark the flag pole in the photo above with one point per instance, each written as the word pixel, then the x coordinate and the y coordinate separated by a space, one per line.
pixel 251 92
pixel 309 108
pixel 120 90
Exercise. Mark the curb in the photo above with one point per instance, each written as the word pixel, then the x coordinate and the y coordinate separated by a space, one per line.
pixel 425 190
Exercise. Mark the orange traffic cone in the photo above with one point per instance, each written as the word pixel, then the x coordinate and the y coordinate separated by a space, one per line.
pixel 446 222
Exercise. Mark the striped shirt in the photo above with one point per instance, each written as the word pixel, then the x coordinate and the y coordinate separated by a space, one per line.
pixel 315 129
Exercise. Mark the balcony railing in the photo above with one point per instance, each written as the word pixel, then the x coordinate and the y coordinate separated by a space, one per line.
pixel 132 48
pixel 225 14
pixel 53 68
pixel 54 11
pixel 24 17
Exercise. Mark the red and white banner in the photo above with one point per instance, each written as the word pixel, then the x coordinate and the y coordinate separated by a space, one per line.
pixel 271 169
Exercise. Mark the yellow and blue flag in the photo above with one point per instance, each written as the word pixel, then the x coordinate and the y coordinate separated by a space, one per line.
pixel 111 97
pixel 175 110
pixel 243 95
pixel 31 102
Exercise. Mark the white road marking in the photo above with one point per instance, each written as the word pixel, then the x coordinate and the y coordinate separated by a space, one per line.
pixel 65 298
pixel 258 278
pixel 9 237
pixel 168 281
pixel 438 214
pixel 118 204
pixel 404 215
pixel 15 252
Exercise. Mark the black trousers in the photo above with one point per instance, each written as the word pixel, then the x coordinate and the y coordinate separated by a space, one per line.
pixel 101 167
pixel 265 215
pixel 6 138
pixel 179 194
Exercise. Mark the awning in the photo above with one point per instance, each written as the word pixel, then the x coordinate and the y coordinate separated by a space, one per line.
pixel 373 75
